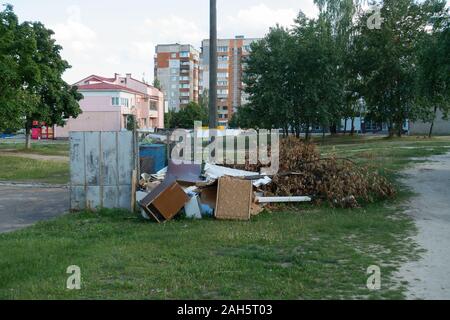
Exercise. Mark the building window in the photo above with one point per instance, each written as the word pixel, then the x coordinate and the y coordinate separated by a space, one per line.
pixel 222 49
pixel 223 75
pixel 124 102
pixel 153 106
pixel 222 66
pixel 185 86
pixel 184 54
pixel 222 58
pixel 222 83
pixel 115 101
pixel 173 55
pixel 174 71
pixel 174 79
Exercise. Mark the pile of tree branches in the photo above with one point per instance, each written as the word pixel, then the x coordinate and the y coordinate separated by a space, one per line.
pixel 337 181
pixel 340 182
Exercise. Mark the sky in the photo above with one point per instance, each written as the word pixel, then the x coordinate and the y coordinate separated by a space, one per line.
pixel 104 37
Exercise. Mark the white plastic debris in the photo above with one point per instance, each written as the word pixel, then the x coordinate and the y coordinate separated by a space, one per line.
pixel 192 208
pixel 214 172
pixel 282 199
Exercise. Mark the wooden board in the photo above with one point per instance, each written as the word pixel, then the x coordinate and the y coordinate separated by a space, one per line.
pixel 234 198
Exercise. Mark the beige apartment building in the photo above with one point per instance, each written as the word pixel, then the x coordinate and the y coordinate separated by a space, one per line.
pixel 177 69
pixel 231 56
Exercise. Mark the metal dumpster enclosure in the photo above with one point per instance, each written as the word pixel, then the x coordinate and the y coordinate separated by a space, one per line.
pixel 101 169
pixel 155 154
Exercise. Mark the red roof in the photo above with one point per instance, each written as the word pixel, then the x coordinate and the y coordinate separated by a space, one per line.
pixel 112 87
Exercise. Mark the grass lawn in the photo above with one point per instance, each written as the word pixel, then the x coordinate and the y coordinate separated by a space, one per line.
pixel 301 253
pixel 28 170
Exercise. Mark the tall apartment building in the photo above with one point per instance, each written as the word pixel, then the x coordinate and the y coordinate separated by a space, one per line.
pixel 231 53
pixel 177 69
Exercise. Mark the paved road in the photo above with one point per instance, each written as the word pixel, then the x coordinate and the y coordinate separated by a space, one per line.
pixel 429 278
pixel 22 206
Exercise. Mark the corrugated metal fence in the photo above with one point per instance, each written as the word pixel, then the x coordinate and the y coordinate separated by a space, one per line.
pixel 101 165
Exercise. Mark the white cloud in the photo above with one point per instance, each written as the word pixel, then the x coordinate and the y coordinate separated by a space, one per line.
pixel 142 51
pixel 173 29
pixel 261 17
pixel 103 42
pixel 113 59
pixel 75 35
pixel 256 20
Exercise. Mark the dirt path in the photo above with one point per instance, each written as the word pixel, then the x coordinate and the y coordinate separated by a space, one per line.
pixel 34 156
pixel 429 278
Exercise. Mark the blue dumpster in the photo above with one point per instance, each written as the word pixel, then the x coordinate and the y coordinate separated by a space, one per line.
pixel 153 158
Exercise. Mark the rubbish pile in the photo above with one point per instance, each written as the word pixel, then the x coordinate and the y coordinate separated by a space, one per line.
pixel 240 192
pixel 204 191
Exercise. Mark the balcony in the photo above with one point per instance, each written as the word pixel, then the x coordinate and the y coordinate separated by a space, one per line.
pixel 153 114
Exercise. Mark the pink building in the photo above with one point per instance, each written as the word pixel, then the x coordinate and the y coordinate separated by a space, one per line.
pixel 109 102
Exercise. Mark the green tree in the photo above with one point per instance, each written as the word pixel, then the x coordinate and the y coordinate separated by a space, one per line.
pixel 157 84
pixel 243 119
pixel 34 67
pixel 185 118
pixel 387 60
pixel 340 14
pixel 266 79
pixel 433 81
pixel 315 79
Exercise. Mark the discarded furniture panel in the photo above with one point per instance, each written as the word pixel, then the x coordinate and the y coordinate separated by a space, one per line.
pixel 234 199
pixel 185 173
pixel 208 196
pixel 166 201
pixel 282 199
pixel 101 170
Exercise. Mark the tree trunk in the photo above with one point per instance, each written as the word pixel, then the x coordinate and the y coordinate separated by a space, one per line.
pixel 307 132
pixel 28 126
pixel 432 123
pixel 391 129
pixel 345 126
pixel 352 132
pixel 333 129
pixel 399 129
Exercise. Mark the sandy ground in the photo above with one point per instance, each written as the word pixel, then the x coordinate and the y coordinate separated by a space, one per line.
pixel 429 278
pixel 24 205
